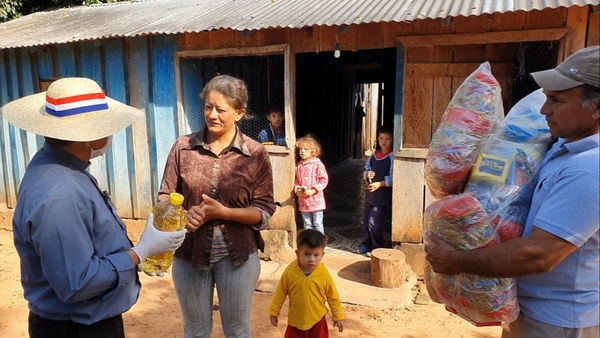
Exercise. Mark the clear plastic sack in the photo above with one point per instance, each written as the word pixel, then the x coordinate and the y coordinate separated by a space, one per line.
pixel 504 175
pixel 472 114
pixel 492 209
pixel 462 221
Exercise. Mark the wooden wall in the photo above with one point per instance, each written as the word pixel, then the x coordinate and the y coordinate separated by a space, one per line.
pixel 383 35
pixel 593 32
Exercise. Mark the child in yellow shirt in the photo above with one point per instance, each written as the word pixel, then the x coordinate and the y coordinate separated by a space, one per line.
pixel 308 284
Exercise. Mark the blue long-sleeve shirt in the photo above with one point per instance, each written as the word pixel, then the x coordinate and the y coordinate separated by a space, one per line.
pixel 71 243
pixel 269 135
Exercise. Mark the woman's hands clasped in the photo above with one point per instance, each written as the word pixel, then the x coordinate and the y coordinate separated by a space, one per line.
pixel 208 210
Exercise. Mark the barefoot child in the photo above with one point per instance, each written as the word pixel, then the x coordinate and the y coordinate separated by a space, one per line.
pixel 311 179
pixel 308 284
pixel 378 198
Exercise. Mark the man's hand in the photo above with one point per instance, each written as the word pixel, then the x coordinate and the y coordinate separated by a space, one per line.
pixel 274 320
pixel 154 241
pixel 440 255
pixel 339 325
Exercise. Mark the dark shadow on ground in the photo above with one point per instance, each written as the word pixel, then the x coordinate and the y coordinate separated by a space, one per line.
pixel 359 272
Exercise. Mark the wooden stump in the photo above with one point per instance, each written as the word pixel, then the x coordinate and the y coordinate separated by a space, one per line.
pixel 387 268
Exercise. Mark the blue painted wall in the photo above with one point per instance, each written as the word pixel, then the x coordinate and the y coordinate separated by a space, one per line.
pixel 139 72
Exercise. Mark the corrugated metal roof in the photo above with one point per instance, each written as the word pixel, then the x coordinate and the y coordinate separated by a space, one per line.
pixel 146 17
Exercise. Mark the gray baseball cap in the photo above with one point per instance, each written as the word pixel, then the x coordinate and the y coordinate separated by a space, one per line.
pixel 582 67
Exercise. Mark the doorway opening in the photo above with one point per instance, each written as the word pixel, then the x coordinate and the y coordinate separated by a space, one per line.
pixel 329 93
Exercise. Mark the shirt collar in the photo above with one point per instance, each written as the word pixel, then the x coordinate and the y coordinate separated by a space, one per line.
pixel 582 145
pixel 310 160
pixel 65 156
pixel 199 140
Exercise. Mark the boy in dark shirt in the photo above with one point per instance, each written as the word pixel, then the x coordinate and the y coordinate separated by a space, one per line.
pixel 275 133
pixel 379 174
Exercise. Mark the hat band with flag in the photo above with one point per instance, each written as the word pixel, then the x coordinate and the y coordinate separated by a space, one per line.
pixel 74 105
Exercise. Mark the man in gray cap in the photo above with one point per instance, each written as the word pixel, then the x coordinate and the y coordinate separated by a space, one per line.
pixel 556 261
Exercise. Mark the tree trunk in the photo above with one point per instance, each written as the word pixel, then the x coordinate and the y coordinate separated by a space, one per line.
pixel 387 268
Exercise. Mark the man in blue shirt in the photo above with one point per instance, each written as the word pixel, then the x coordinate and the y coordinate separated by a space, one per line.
pixel 556 261
pixel 78 267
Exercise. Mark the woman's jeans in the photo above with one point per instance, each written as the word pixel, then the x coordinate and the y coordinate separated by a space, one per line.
pixel 313 220
pixel 235 287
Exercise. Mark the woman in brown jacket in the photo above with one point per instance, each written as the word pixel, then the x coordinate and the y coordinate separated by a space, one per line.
pixel 227 183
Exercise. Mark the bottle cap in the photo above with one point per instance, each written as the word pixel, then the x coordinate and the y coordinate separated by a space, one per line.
pixel 176 198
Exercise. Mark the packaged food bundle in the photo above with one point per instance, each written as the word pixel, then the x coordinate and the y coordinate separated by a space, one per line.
pixel 440 287
pixel 504 176
pixel 473 113
pixel 492 209
pixel 485 301
pixel 462 221
pixel 524 123
pixel 481 301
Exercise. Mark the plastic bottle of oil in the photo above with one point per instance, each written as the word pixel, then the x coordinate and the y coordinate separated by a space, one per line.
pixel 168 216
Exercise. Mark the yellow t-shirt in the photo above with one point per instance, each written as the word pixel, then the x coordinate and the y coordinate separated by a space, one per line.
pixel 307 296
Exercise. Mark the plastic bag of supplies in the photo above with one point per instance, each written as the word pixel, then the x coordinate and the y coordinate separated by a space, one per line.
pixel 471 115
pixel 492 209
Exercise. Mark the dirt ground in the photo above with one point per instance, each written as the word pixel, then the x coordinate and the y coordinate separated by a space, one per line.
pixel 157 313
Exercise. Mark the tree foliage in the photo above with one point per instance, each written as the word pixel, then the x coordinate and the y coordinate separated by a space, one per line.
pixel 11 9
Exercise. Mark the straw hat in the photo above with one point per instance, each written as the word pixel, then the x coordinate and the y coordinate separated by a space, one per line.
pixel 73 109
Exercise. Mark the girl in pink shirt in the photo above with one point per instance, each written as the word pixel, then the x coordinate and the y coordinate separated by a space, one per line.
pixel 311 179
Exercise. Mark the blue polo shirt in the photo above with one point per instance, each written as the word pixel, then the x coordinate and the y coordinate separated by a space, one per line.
pixel 566 204
pixel 71 243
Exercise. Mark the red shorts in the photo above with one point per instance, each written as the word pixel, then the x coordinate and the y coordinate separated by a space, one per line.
pixel 319 330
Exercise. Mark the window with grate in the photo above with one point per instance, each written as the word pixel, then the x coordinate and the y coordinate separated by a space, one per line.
pixel 264 77
pixel 531 57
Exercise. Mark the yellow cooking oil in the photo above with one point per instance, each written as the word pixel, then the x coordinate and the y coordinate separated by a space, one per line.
pixel 169 215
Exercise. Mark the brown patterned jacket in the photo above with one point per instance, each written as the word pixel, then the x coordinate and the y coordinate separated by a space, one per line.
pixel 239 177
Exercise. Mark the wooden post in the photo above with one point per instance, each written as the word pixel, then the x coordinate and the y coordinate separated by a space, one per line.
pixel 577 21
pixel 408 192
pixel 387 268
